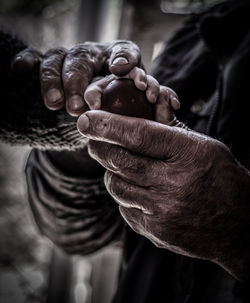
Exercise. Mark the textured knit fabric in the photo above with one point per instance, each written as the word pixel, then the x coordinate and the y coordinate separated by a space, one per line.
pixel 24 119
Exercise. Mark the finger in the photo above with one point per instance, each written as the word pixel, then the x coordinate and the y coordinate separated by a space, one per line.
pixel 123 57
pixel 135 218
pixel 173 98
pixel 138 135
pixel 144 225
pixel 25 61
pixel 129 195
pixel 93 93
pixel 166 104
pixel 140 78
pixel 50 77
pixel 153 89
pixel 78 70
pixel 135 169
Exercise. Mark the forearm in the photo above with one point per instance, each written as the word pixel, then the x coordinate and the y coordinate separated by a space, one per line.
pixel 235 228
pixel 23 117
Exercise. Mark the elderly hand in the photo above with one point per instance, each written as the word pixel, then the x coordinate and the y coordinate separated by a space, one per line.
pixel 65 74
pixel 165 100
pixel 182 190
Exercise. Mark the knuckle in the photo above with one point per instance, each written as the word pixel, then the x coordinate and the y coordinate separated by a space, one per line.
pixel 124 45
pixel 55 52
pixel 140 137
pixel 50 68
pixel 117 158
pixel 81 50
pixel 80 57
pixel 76 77
pixel 111 183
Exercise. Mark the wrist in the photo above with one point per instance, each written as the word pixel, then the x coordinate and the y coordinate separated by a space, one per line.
pixel 234 255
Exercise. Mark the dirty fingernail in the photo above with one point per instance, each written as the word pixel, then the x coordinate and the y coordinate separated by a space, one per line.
pixel 76 103
pixel 54 96
pixel 83 123
pixel 120 61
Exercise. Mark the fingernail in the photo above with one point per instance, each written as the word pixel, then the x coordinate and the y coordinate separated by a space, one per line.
pixel 120 61
pixel 76 103
pixel 18 57
pixel 54 96
pixel 83 123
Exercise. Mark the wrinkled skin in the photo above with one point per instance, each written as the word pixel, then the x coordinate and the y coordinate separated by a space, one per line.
pixel 182 190
pixel 76 225
pixel 65 74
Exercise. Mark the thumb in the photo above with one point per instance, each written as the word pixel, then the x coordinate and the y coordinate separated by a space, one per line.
pixel 123 57
pixel 138 135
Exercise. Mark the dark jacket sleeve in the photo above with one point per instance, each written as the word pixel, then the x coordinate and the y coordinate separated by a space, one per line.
pixel 69 201
pixel 23 117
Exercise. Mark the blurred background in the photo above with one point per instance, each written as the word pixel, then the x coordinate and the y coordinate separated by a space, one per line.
pixel 31 268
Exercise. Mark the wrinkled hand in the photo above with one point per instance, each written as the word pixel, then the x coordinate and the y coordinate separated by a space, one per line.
pixel 182 190
pixel 65 74
pixel 165 100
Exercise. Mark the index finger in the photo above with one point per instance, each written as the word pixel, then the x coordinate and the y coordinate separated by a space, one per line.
pixel 135 134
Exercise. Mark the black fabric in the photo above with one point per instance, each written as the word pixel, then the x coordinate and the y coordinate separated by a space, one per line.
pixel 76 194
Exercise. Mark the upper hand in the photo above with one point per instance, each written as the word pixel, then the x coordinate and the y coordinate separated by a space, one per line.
pixel 182 190
pixel 65 74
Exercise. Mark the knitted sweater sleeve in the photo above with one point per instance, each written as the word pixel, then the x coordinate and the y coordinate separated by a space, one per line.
pixel 23 117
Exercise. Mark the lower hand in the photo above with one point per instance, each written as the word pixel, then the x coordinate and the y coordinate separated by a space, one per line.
pixel 182 190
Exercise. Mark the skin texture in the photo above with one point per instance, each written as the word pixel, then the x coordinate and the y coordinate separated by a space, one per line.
pixel 163 99
pixel 80 226
pixel 182 190
pixel 65 74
